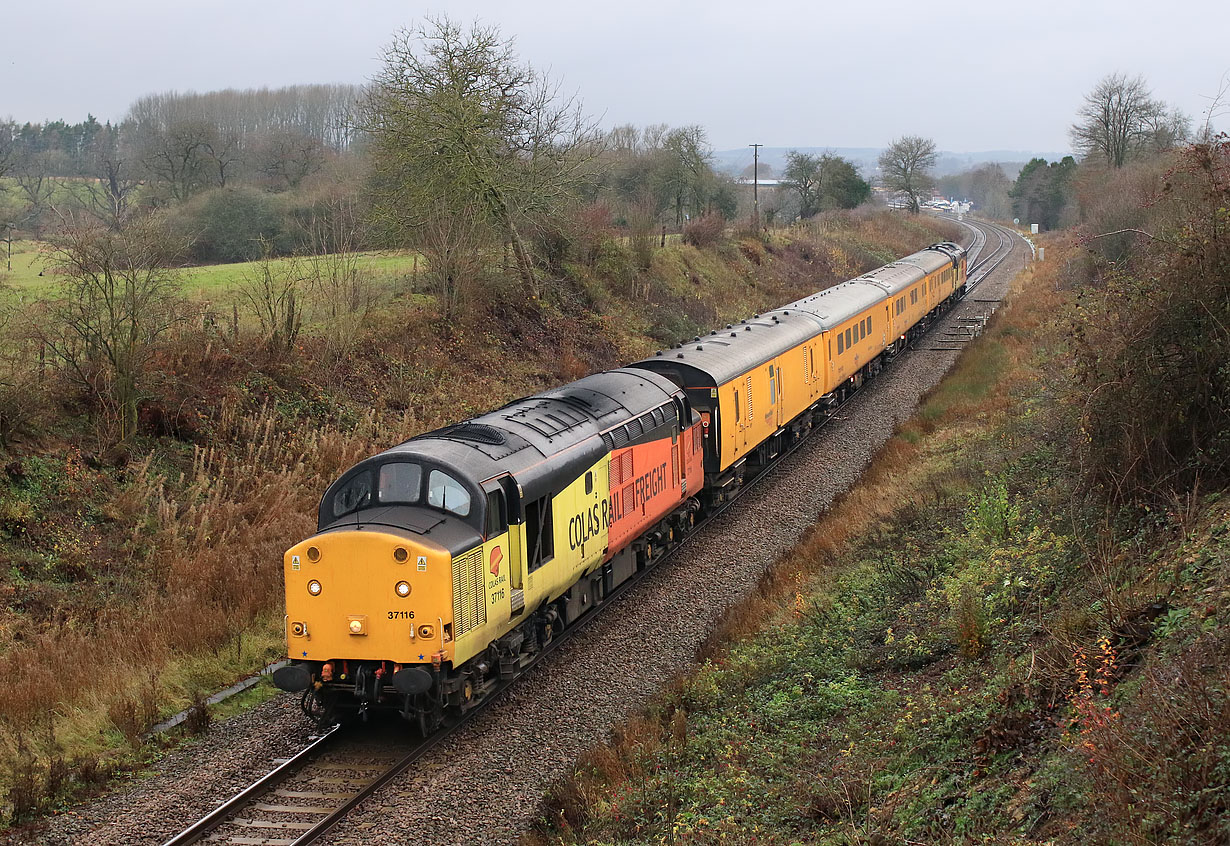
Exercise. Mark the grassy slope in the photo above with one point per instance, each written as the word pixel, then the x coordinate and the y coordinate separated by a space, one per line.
pixel 956 653
pixel 143 576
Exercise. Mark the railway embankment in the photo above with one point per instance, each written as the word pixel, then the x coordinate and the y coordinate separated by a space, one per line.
pixel 145 574
pixel 983 640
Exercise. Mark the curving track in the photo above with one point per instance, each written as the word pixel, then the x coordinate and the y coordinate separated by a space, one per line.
pixel 479 782
pixel 274 810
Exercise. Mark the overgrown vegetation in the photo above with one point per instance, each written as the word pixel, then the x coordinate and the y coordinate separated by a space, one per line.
pixel 144 568
pixel 1014 629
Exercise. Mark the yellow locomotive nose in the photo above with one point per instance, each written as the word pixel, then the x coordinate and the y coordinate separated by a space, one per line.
pixel 367 596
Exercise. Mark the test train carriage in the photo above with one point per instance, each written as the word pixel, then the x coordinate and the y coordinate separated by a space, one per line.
pixel 444 565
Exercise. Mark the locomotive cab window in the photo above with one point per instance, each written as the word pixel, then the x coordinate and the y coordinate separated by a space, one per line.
pixel 589 482
pixel 355 494
pixel 399 483
pixel 772 386
pixel 497 520
pixel 447 494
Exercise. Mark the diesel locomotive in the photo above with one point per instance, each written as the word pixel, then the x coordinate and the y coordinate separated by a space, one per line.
pixel 443 566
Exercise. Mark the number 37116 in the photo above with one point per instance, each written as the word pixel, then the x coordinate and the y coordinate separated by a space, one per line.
pixel 401 615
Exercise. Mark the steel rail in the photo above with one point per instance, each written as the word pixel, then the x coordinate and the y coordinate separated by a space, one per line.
pixel 260 787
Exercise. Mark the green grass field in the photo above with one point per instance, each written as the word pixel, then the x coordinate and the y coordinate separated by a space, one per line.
pixel 214 282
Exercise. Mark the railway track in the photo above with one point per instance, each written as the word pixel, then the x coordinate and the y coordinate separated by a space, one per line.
pixel 981 267
pixel 307 795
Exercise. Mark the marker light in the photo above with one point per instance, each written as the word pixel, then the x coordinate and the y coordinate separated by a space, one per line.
pixel 356 626
pixel 313 554
pixel 314 587
pixel 403 588
pixel 400 555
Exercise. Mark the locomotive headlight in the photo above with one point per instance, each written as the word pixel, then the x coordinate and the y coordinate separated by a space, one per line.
pixel 314 587
pixel 402 588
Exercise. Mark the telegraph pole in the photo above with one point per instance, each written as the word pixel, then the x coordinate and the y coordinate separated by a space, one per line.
pixel 756 187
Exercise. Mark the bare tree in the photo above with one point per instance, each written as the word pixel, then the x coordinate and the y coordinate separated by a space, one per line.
pixel 342 291
pixel 455 117
pixel 118 295
pixel 287 157
pixel 176 155
pixel 7 128
pixel 34 172
pixel 1119 118
pixel 823 182
pixel 221 152
pixel 905 166
pixel 108 193
pixel 452 243
pixel 685 170
pixel 272 292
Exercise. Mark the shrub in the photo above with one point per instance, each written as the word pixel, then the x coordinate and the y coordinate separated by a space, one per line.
pixel 704 231
pixel 229 224
pixel 1151 384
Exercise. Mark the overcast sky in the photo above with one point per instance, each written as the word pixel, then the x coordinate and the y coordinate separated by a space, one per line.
pixel 971 75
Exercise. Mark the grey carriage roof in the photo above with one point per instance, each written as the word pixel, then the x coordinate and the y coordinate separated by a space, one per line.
pixel 901 274
pixel 833 306
pixel 725 354
pixel 716 358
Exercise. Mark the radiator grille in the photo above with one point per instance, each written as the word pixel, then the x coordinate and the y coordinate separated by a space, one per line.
pixel 469 603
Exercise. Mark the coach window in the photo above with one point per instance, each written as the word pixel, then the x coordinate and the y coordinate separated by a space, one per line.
pixel 849 335
pixel 841 343
pixel 355 494
pixel 736 405
pixel 400 483
pixel 447 494
pixel 868 325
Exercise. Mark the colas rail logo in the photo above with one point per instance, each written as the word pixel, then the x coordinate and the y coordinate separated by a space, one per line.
pixel 497 555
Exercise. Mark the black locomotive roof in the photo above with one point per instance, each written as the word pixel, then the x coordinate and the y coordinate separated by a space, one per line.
pixel 543 441
pixel 725 354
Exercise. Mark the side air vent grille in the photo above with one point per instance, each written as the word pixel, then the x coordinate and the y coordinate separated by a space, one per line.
pixel 469 604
